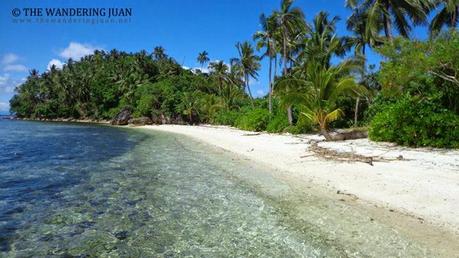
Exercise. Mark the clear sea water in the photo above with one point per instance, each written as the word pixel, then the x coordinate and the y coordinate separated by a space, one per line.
pixel 72 190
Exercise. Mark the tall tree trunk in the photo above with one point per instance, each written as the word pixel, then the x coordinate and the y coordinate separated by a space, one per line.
pixel 275 68
pixel 248 87
pixel 454 17
pixel 356 111
pixel 270 100
pixel 289 109
pixel 388 25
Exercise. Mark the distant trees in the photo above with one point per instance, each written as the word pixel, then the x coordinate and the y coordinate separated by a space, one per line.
pixel 159 53
pixel 203 58
pixel 249 62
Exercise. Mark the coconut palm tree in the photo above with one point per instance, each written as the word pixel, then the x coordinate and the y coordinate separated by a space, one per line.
pixel 357 23
pixel 219 71
pixel 321 41
pixel 315 89
pixel 447 16
pixel 203 58
pixel 290 21
pixel 250 63
pixel 265 38
pixel 390 12
pixel 228 80
pixel 159 53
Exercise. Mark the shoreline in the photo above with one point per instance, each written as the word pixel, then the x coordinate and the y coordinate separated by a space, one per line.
pixel 423 184
pixel 65 120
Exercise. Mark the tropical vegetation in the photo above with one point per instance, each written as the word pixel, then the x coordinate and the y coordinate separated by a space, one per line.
pixel 319 79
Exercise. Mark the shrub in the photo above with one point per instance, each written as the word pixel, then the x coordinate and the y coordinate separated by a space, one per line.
pixel 144 106
pixel 253 120
pixel 278 123
pixel 303 125
pixel 416 122
pixel 225 117
pixel 379 104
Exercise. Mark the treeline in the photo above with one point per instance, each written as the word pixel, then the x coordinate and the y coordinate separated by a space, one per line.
pixel 412 99
pixel 100 85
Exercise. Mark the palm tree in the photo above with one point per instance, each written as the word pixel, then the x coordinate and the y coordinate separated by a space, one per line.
pixel 321 41
pixel 316 89
pixel 390 12
pixel 228 80
pixel 447 16
pixel 189 105
pixel 250 63
pixel 219 71
pixel 203 58
pixel 266 39
pixel 159 53
pixel 290 21
pixel 357 23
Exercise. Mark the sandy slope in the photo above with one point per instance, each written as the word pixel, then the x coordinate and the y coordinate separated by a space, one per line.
pixel 425 184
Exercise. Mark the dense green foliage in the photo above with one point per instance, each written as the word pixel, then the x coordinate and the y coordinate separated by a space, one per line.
pixel 307 91
pixel 416 122
pixel 101 84
pixel 277 124
pixel 256 119
pixel 226 117
pixel 418 104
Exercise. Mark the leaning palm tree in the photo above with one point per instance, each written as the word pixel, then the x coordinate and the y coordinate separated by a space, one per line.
pixel 315 89
pixel 447 16
pixel 266 39
pixel 290 21
pixel 203 58
pixel 250 63
pixel 390 12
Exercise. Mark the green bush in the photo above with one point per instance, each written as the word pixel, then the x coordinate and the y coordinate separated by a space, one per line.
pixel 144 106
pixel 378 105
pixel 302 126
pixel 225 117
pixel 253 120
pixel 278 123
pixel 416 122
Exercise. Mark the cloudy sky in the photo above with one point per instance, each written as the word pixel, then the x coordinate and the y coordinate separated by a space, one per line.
pixel 182 27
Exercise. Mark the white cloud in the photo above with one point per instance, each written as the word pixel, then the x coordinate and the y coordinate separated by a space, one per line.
pixel 260 93
pixel 4 107
pixel 8 84
pixel 15 68
pixel 77 50
pixel 4 79
pixel 55 62
pixel 9 63
pixel 9 58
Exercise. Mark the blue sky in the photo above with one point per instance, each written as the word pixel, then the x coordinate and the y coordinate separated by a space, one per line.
pixel 182 27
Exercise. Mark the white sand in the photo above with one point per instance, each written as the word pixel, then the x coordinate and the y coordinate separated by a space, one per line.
pixel 425 185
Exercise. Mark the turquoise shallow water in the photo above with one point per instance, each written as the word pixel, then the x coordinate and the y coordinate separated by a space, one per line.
pixel 71 190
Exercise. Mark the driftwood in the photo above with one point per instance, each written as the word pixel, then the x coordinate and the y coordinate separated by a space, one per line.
pixel 344 156
pixel 349 134
pixel 251 134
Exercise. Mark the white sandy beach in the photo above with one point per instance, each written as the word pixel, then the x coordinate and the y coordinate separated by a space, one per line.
pixel 425 184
